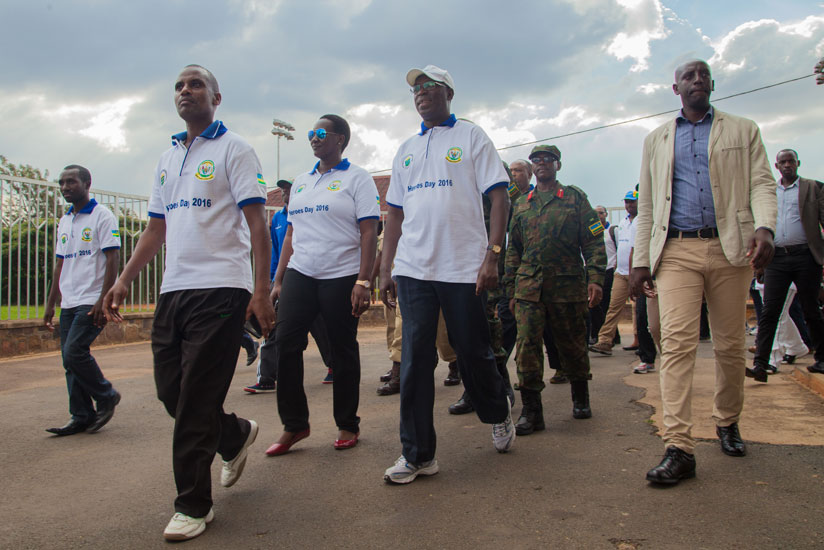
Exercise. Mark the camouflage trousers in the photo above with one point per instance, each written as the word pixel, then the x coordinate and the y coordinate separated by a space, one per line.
pixel 567 320
pixel 496 331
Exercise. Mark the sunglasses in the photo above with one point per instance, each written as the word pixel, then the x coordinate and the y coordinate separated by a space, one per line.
pixel 543 159
pixel 428 85
pixel 320 132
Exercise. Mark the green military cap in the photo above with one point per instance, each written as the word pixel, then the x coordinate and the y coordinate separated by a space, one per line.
pixel 551 149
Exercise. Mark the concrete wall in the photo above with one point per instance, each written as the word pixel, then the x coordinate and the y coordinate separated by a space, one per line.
pixel 31 336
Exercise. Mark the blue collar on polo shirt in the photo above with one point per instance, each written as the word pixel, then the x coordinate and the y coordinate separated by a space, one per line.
pixel 86 209
pixel 214 130
pixel 448 122
pixel 342 165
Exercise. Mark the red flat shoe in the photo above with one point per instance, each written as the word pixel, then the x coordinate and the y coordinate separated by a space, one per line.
pixel 282 448
pixel 341 444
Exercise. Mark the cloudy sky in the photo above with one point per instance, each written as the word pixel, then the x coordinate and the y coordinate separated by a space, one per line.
pixel 91 82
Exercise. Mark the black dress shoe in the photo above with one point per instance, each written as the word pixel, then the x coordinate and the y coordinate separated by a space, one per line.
pixel 817 367
pixel 789 359
pixel 461 406
pixel 105 412
pixel 731 442
pixel 675 466
pixel 758 373
pixel 73 427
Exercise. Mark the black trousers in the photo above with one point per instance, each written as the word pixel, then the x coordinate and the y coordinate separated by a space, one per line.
pixel 302 300
pixel 195 343
pixel 646 344
pixel 468 330
pixel 598 313
pixel 799 268
pixel 268 372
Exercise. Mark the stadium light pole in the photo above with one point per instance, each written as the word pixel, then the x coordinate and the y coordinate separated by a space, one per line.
pixel 282 129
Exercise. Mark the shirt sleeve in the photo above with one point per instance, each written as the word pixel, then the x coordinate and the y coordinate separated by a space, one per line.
pixel 395 194
pixel 489 168
pixel 156 208
pixel 245 175
pixel 108 231
pixel 60 246
pixel 367 199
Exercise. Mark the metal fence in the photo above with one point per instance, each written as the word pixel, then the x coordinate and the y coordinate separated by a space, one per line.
pixel 29 213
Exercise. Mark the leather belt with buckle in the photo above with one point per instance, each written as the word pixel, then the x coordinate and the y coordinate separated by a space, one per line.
pixel 792 249
pixel 705 233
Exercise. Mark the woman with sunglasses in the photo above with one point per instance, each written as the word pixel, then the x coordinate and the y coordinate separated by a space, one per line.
pixel 324 269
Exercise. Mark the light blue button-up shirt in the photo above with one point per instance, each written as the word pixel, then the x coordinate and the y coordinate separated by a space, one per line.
pixel 692 204
pixel 788 227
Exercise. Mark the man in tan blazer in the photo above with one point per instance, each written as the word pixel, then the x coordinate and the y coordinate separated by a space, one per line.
pixel 799 254
pixel 706 216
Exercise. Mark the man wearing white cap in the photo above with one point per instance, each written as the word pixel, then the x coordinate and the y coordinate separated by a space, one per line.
pixel 436 236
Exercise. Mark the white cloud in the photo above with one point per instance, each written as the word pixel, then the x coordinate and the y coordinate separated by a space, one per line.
pixel 101 122
pixel 732 49
pixel 651 88
pixel 645 23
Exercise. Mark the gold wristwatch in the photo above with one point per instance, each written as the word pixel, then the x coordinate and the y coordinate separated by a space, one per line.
pixel 366 284
pixel 495 248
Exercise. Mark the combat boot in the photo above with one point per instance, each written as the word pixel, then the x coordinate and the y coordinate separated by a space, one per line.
pixel 580 399
pixel 454 376
pixel 532 413
pixel 393 386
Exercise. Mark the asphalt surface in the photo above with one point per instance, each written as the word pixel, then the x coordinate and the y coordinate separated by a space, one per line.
pixel 580 484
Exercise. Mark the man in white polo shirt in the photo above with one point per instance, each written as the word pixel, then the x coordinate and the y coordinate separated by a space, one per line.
pixel 444 261
pixel 88 251
pixel 207 200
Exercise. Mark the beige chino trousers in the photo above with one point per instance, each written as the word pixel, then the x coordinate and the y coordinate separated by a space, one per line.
pixel 690 269
pixel 617 301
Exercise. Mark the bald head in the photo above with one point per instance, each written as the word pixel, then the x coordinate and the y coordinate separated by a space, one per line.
pixel 685 66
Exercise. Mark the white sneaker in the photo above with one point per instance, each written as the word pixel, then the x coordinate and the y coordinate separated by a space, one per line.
pixel 233 468
pixel 406 472
pixel 183 527
pixel 503 434
pixel 644 368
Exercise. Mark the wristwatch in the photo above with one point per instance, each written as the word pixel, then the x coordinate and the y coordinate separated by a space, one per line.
pixel 495 248
pixel 365 283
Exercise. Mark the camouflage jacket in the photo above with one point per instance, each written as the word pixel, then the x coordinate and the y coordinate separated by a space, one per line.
pixel 547 240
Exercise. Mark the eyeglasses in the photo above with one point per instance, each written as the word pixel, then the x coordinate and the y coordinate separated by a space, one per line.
pixel 543 159
pixel 320 132
pixel 428 85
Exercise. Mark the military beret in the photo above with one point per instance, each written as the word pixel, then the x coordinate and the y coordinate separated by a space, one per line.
pixel 551 149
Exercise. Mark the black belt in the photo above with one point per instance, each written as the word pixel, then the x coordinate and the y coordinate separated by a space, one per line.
pixel 705 233
pixel 792 249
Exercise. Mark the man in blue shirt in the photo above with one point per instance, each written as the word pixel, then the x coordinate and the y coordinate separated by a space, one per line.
pixel 267 371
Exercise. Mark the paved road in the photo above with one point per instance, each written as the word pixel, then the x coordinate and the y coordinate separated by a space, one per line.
pixel 580 484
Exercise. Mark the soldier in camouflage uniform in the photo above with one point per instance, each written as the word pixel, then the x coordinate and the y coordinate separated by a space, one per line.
pixel 551 228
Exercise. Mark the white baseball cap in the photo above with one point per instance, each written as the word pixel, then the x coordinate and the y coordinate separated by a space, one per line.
pixel 435 73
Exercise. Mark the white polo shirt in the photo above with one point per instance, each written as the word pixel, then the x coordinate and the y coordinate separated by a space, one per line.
pixel 200 191
pixel 626 238
pixel 82 239
pixel 438 178
pixel 324 212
